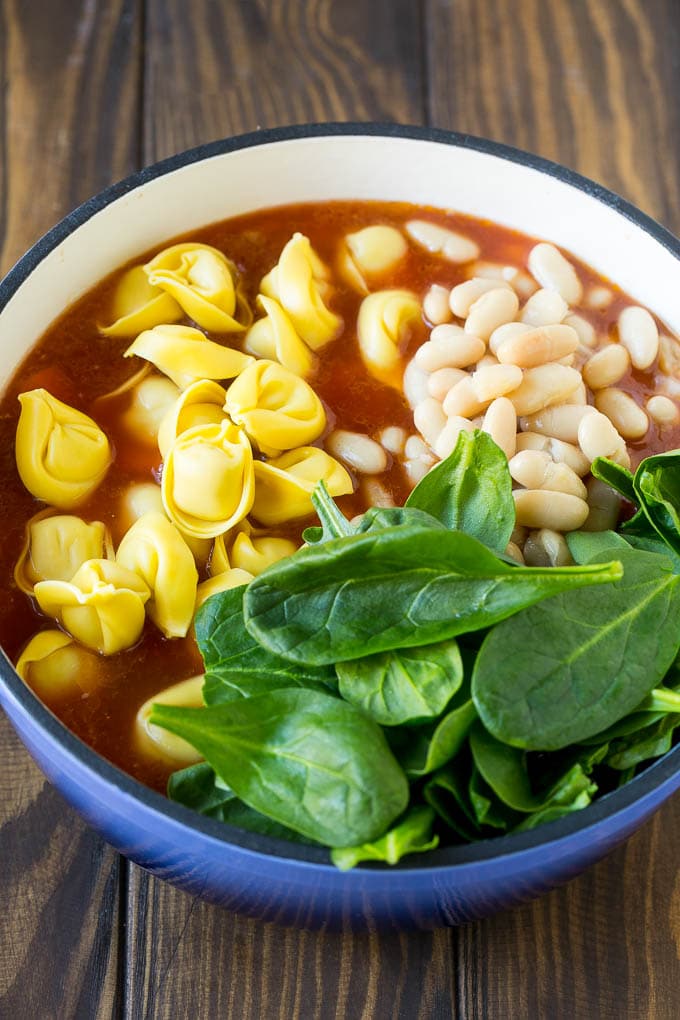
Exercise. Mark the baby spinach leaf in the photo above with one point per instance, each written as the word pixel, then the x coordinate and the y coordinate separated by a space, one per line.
pixel 426 749
pixel 447 792
pixel 412 835
pixel 571 666
pixel 586 546
pixel 471 491
pixel 552 812
pixel 379 517
pixel 404 685
pixel 652 543
pixel 401 587
pixel 334 524
pixel 649 742
pixel 657 487
pixel 304 759
pixel 616 476
pixel 236 665
pixel 489 809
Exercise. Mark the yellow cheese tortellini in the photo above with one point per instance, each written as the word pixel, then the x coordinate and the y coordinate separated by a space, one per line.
pixel 230 578
pixel 159 743
pixel 299 282
pixel 202 403
pixel 138 305
pixel 370 252
pixel 208 479
pixel 56 545
pixel 277 410
pixel 383 328
pixel 154 549
pixel 186 355
pixel 62 455
pixel 102 605
pixel 54 666
pixel 274 337
pixel 201 280
pixel 247 549
pixel 284 486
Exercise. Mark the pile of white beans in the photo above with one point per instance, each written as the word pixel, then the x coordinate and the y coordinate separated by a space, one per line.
pixel 511 353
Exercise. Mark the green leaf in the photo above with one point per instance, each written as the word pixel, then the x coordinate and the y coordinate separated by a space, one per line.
pixel 304 759
pixel 615 476
pixel 471 491
pixel 573 665
pixel 489 809
pixel 652 543
pixel 586 546
pixel 404 586
pixel 552 812
pixel 426 749
pixel 646 743
pixel 334 524
pixel 377 518
pixel 447 792
pixel 404 685
pixel 657 487
pixel 410 836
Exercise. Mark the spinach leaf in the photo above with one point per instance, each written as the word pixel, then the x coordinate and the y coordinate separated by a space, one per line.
pixel 571 666
pixel 471 491
pixel 410 836
pixel 377 518
pixel 488 808
pixel 334 524
pixel 586 546
pixel 236 665
pixel 404 685
pixel 426 749
pixel 649 742
pixel 401 587
pixel 196 788
pixel 657 487
pixel 615 476
pixel 652 543
pixel 305 759
pixel 552 812
pixel 447 792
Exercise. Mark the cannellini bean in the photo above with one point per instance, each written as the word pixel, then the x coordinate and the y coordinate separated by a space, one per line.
pixel 358 450
pixel 490 311
pixel 663 410
pixel 669 355
pixel 500 422
pixel 514 552
pixel 579 396
pixel 586 330
pixel 604 507
pixel 599 298
pixel 561 452
pixel 538 346
pixel 519 535
pixel 473 394
pixel 508 331
pixel 560 422
pixel 415 470
pixel 622 411
pixel 553 271
pixel 487 361
pixel 415 383
pixel 429 419
pixel 448 437
pixel 489 270
pixel 436 305
pixel 464 295
pixel 441 241
pixel 440 382
pixel 449 347
pixel 541 508
pixel 375 493
pixel 535 470
pixel 597 437
pixel 638 332
pixel 543 386
pixel 606 366
pixel 547 548
pixel 393 439
pixel 523 284
pixel 544 308
pixel 415 447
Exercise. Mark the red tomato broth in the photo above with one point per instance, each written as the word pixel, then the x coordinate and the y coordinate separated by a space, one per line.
pixel 78 365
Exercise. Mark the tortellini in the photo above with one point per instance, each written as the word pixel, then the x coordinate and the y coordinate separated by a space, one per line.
pixel 160 743
pixel 56 545
pixel 371 252
pixel 137 500
pixel 154 549
pixel 138 305
pixel 102 606
pixel 54 666
pixel 277 410
pixel 284 486
pixel 150 400
pixel 202 403
pixel 274 337
pixel 186 355
pixel 208 479
pixel 246 549
pixel 383 327
pixel 298 282
pixel 201 280
pixel 62 455
pixel 234 577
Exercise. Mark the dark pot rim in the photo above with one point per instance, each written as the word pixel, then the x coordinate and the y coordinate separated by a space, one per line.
pixel 606 807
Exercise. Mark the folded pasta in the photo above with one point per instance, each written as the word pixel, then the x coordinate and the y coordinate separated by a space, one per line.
pixel 186 355
pixel 275 337
pixel 383 327
pixel 233 577
pixel 56 545
pixel 371 252
pixel 298 282
pixel 284 486
pixel 248 549
pixel 138 305
pixel 54 666
pixel 202 403
pixel 160 743
pixel 202 282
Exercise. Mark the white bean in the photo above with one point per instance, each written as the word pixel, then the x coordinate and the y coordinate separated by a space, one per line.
pixel 508 331
pixel 541 508
pixel 561 452
pixel 464 295
pixel 514 552
pixel 586 331
pixel 519 534
pixel 638 332
pixel 429 419
pixel 544 308
pixel 599 298
pixel 473 395
pixel 540 345
pixel 606 366
pixel 375 493
pixel 523 284
pixel 441 241
pixel 543 386
pixel 547 548
pixel 604 507
pixel 490 311
pixel 579 396
pixel 669 355
pixel 622 411
pixel 440 382
pixel 488 270
pixel 415 447
pixel 487 361
pixel 436 305
pixel 560 422
pixel 553 271
pixel 535 470
pixel 393 438
pixel 449 347
pixel 597 437
pixel 416 470
pixel 358 450
pixel 414 383
pixel 500 422
pixel 663 410
pixel 448 437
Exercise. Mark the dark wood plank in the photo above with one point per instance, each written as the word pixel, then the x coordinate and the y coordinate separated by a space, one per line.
pixel 67 128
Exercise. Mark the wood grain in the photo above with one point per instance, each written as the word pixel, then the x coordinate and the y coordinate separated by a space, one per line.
pixel 67 128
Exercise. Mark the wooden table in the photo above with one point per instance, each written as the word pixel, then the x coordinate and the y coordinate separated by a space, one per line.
pixel 93 90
